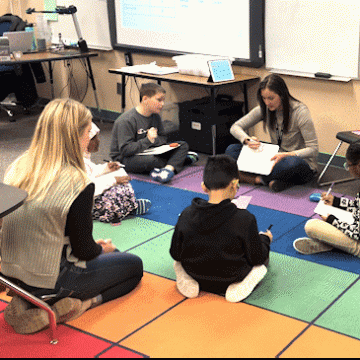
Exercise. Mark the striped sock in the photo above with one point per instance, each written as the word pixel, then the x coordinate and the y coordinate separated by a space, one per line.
pixel 144 206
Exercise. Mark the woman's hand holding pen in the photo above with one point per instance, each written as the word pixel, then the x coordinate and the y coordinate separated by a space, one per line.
pixel 113 166
pixel 253 143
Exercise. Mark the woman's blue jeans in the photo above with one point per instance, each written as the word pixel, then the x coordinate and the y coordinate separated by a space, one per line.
pixel 292 170
pixel 111 275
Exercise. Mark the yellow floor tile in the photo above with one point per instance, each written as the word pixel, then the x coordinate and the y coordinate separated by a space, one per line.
pixel 116 319
pixel 321 343
pixel 211 327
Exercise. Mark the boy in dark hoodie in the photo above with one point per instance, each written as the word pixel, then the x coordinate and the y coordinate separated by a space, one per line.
pixel 216 246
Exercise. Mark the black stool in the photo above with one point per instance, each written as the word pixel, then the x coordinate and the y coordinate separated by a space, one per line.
pixel 344 136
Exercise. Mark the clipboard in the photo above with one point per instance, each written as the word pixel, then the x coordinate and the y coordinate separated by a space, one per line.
pixel 257 161
pixel 343 215
pixel 158 150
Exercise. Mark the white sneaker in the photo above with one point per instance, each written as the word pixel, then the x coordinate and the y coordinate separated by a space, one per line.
pixel 307 246
pixel 186 285
pixel 241 290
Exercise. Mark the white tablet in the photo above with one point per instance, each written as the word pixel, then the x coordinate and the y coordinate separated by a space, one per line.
pixel 221 70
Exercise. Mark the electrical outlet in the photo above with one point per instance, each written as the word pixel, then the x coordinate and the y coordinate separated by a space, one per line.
pixel 119 88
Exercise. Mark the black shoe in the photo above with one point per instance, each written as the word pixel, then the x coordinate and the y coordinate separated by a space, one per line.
pixel 277 185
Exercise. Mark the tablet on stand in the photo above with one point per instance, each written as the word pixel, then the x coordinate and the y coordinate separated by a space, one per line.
pixel 220 70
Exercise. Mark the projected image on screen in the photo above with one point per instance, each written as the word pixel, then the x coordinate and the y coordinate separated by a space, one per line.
pixel 213 27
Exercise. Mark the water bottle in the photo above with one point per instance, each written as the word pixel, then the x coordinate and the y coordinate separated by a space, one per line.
pixel 34 44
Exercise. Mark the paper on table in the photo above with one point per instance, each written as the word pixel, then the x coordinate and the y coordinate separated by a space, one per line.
pixel 159 70
pixel 342 215
pixel 158 150
pixel 151 68
pixel 242 202
pixel 257 161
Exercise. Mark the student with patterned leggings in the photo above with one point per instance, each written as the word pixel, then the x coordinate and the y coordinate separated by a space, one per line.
pixel 330 232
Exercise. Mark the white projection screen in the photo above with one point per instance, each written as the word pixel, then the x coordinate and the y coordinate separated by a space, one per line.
pixel 232 28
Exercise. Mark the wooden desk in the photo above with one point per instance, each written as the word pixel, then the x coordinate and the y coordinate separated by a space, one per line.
pixel 198 81
pixel 241 80
pixel 49 57
pixel 11 199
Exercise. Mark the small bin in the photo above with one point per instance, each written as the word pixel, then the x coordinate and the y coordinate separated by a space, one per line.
pixel 194 64
pixel 196 120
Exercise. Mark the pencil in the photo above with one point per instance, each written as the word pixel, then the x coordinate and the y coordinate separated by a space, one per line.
pixel 330 189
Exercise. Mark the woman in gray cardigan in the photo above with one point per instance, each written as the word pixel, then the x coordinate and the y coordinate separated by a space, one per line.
pixel 290 126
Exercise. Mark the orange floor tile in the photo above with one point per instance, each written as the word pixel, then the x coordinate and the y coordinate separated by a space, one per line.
pixel 119 318
pixel 4 297
pixel 320 343
pixel 211 327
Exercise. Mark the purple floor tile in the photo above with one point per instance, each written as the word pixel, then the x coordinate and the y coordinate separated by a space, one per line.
pixel 293 201
pixel 193 182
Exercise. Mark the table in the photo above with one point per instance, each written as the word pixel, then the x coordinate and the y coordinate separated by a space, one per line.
pixel 197 81
pixel 11 199
pixel 49 57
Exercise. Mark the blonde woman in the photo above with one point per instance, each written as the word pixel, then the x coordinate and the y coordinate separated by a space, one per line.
pixel 47 245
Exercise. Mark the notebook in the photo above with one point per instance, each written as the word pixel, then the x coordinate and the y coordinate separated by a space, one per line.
pixel 20 40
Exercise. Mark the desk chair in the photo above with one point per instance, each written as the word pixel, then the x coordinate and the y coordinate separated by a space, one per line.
pixel 9 112
pixel 344 136
pixel 5 25
pixel 34 300
pixel 19 79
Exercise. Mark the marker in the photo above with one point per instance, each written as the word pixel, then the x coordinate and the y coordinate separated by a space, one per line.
pixel 330 189
pixel 269 228
pixel 323 75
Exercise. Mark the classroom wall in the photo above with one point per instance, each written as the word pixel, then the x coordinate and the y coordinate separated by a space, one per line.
pixel 335 106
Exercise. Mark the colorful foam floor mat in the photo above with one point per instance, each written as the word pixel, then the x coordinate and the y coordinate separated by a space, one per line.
pixel 306 306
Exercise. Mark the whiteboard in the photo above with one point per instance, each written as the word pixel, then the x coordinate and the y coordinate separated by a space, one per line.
pixel 233 28
pixel 93 21
pixel 313 36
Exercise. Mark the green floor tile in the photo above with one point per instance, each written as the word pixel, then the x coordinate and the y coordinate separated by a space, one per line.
pixel 299 288
pixel 344 315
pixel 156 256
pixel 130 233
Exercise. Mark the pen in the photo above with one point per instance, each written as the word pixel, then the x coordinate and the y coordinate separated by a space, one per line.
pixel 270 227
pixel 330 189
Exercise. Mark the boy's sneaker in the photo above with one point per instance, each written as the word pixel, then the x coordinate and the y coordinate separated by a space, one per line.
pixel 241 290
pixel 144 206
pixel 162 175
pixel 191 158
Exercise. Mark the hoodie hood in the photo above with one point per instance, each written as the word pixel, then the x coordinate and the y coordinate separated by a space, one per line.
pixel 205 216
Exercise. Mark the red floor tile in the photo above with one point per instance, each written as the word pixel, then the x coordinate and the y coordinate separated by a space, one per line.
pixel 72 344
